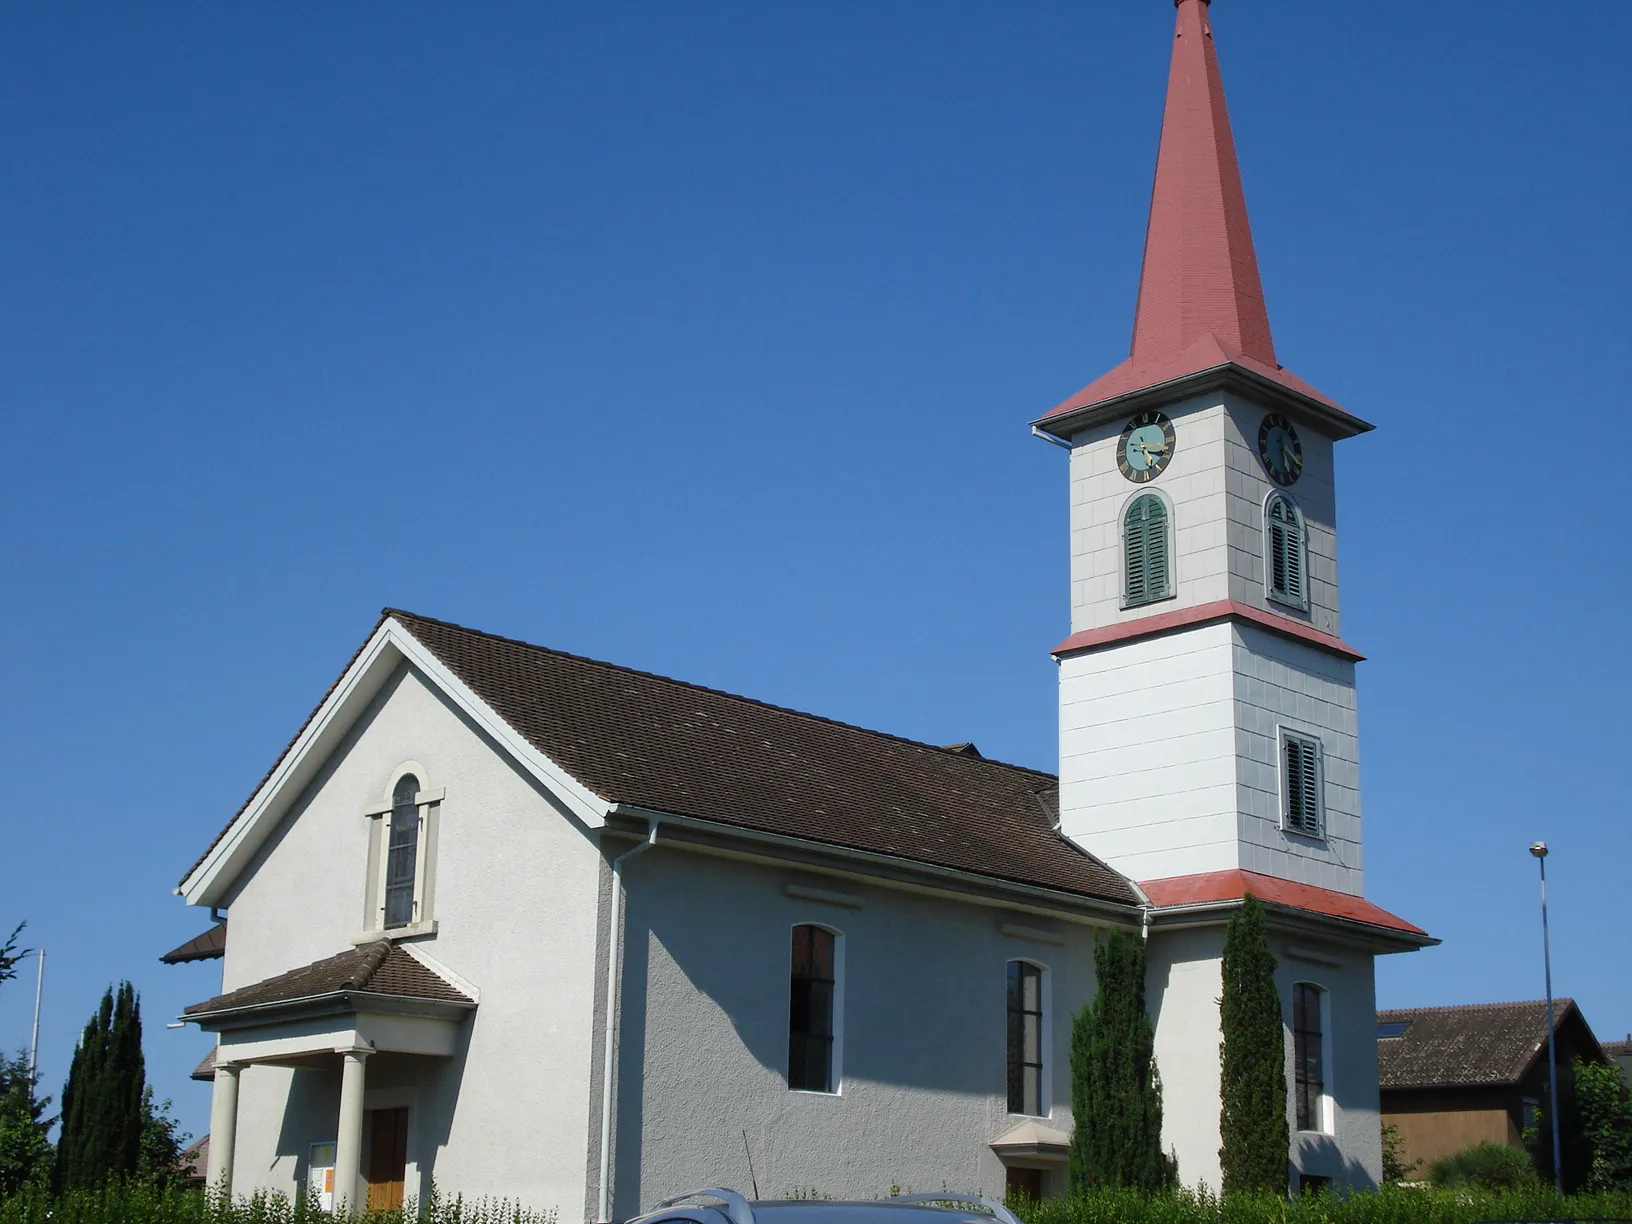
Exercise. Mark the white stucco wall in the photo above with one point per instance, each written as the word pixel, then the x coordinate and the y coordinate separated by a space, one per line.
pixel 1148 744
pixel 703 1055
pixel 508 860
pixel 1183 984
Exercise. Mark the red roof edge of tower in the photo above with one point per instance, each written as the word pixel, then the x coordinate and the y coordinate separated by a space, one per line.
pixel 1213 887
pixel 1201 302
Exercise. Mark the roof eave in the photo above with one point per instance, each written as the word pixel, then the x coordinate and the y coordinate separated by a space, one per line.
pixel 329 1003
pixel 1210 913
pixel 802 849
pixel 1227 376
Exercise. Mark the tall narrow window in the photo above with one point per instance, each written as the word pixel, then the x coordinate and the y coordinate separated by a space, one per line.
pixel 1025 1039
pixel 810 1010
pixel 1300 767
pixel 1308 1056
pixel 1284 545
pixel 402 853
pixel 1145 551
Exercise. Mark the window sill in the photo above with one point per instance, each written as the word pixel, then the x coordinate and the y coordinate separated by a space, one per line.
pixel 1128 605
pixel 1302 835
pixel 417 930
pixel 815 1092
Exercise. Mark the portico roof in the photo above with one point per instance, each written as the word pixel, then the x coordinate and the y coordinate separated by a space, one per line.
pixel 380 968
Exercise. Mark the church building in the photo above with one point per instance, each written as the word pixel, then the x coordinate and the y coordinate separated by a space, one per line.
pixel 530 925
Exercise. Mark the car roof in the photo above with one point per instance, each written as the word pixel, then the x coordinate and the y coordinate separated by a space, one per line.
pixel 825 1211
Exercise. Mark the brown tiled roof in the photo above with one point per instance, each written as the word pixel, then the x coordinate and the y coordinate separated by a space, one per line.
pixel 1477 1043
pixel 206 1067
pixel 211 945
pixel 671 747
pixel 1617 1049
pixel 375 968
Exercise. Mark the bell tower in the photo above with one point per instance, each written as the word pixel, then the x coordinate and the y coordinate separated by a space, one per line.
pixel 1207 700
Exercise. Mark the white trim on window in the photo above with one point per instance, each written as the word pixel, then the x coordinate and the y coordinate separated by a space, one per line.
pixel 1302 782
pixel 1326 1121
pixel 1045 1035
pixel 835 1074
pixel 428 800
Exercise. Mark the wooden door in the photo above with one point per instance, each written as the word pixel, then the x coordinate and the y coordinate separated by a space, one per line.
pixel 387 1158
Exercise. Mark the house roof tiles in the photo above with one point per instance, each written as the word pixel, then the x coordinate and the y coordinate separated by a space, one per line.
pixel 379 968
pixel 1477 1043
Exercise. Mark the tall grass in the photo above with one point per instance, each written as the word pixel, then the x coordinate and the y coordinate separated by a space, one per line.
pixel 142 1203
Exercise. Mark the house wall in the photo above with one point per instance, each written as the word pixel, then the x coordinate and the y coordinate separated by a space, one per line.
pixel 704 1044
pixel 1183 983
pixel 1438 1122
pixel 505 853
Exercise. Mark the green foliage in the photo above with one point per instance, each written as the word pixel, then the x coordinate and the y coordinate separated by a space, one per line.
pixel 163 1142
pixel 10 954
pixel 102 1117
pixel 1252 1119
pixel 129 1202
pixel 25 1152
pixel 1394 1167
pixel 1485 1166
pixel 1605 1108
pixel 1116 1093
pixel 1390 1205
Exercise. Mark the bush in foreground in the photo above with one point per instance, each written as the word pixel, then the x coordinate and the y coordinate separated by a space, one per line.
pixel 1485 1166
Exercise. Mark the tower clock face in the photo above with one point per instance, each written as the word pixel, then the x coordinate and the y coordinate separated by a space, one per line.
pixel 1279 448
pixel 1146 447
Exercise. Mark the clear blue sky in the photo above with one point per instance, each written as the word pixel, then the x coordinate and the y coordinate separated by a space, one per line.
pixel 704 337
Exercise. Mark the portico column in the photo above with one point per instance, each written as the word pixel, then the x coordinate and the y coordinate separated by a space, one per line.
pixel 348 1154
pixel 223 1126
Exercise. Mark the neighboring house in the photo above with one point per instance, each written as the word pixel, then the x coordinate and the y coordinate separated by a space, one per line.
pixel 539 926
pixel 1620 1053
pixel 1452 1077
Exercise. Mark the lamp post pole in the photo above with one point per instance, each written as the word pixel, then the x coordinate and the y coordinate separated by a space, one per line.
pixel 1539 849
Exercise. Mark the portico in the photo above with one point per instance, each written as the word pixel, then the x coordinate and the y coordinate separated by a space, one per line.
pixel 334 1015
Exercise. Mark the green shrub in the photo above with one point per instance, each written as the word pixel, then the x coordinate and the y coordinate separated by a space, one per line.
pixel 1485 1166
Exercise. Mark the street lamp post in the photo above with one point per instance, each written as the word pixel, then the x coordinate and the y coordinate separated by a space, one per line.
pixel 1539 849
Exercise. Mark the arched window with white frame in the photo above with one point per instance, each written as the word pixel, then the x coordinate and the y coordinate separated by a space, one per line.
pixel 1028 1038
pixel 1147 551
pixel 402 849
pixel 1286 552
pixel 1311 1057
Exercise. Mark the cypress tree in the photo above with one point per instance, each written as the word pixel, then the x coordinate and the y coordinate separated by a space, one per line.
pixel 102 1102
pixel 1252 1120
pixel 1116 1094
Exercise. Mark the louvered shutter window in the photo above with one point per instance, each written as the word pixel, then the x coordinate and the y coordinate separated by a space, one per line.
pixel 1145 550
pixel 1285 543
pixel 1301 758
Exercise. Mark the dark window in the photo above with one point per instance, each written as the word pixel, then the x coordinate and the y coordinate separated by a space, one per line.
pixel 402 853
pixel 1285 544
pixel 1301 760
pixel 1145 550
pixel 1308 1058
pixel 1025 1039
pixel 1309 1183
pixel 1392 1028
pixel 810 1010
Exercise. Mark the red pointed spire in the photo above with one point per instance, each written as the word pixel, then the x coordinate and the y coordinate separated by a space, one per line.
pixel 1201 274
pixel 1201 302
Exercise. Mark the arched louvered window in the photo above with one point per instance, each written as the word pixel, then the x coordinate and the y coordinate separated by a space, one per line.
pixel 1286 554
pixel 1146 551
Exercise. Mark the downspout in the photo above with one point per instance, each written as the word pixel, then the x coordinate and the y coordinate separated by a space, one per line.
pixel 614 972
